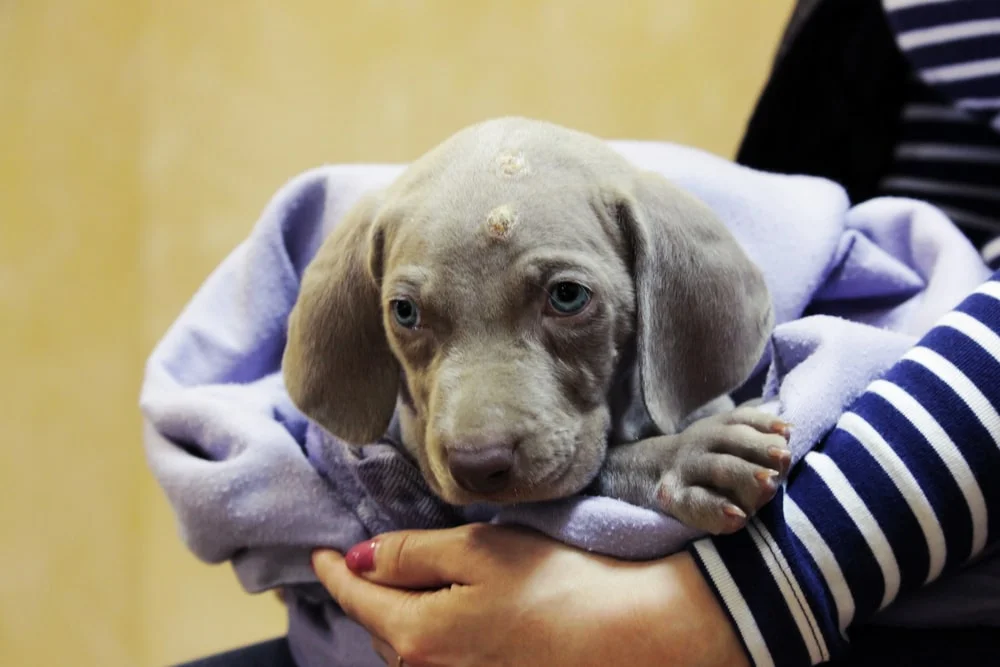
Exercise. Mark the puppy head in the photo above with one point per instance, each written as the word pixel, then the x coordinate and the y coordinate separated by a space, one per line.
pixel 493 289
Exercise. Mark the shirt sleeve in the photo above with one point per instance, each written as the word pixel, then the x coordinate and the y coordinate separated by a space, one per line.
pixel 953 47
pixel 897 495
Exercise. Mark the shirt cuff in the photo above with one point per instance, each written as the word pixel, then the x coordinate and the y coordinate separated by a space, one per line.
pixel 772 607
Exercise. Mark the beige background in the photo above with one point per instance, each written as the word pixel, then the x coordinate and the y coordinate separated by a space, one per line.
pixel 138 142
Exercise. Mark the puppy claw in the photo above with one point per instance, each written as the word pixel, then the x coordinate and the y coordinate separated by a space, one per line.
pixel 782 428
pixel 735 519
pixel 734 512
pixel 782 457
pixel 767 479
pixel 663 496
pixel 779 454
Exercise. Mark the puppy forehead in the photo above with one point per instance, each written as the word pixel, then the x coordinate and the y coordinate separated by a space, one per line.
pixel 475 216
pixel 504 247
pixel 495 222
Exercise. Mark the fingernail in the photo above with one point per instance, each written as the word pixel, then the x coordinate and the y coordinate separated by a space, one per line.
pixel 361 557
pixel 734 511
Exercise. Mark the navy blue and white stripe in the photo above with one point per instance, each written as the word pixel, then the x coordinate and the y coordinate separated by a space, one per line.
pixel 949 148
pixel 902 491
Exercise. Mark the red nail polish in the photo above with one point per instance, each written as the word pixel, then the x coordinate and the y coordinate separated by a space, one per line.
pixel 361 557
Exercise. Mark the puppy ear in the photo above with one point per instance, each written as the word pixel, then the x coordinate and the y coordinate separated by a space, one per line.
pixel 703 309
pixel 338 367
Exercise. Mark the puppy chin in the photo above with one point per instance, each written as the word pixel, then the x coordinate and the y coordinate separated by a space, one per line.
pixel 569 481
pixel 453 494
pixel 561 483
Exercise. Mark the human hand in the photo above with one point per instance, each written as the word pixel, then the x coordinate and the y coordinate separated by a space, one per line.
pixel 490 595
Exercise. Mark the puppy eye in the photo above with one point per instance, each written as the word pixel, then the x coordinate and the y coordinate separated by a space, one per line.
pixel 405 312
pixel 568 298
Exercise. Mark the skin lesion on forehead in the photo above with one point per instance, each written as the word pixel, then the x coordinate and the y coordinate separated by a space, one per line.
pixel 500 222
pixel 512 163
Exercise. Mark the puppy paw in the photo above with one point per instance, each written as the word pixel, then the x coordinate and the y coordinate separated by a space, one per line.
pixel 726 468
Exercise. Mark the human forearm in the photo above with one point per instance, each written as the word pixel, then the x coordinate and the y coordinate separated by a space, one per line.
pixel 894 497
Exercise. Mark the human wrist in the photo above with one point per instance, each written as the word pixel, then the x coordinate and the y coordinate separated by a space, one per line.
pixel 697 629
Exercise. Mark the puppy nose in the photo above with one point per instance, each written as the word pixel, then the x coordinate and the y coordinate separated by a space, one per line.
pixel 483 469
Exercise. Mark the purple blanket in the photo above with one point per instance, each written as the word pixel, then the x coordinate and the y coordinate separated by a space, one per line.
pixel 253 482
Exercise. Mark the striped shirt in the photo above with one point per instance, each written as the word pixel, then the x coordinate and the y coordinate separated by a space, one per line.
pixel 948 152
pixel 897 495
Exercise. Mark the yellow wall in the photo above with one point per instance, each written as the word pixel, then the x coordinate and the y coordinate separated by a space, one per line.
pixel 138 142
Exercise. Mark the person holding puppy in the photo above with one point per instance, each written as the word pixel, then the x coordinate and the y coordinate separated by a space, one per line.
pixel 894 503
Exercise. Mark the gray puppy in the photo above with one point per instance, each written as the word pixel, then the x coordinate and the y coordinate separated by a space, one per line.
pixel 547 319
